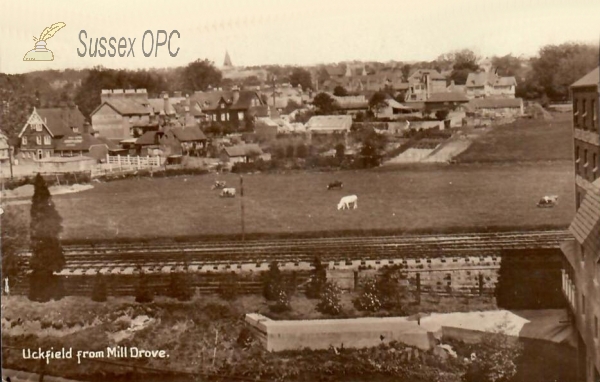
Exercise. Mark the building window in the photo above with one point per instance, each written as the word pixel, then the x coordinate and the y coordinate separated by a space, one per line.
pixel 577 200
pixel 75 129
pixel 596 326
pixel 583 114
pixel 214 117
pixel 47 140
pixel 38 127
pixel 585 163
pixel 47 153
pixel 582 304
pixel 38 140
pixel 240 116
pixel 595 164
pixel 575 112
pixel 222 117
pixel 24 141
pixel 594 111
pixel 577 160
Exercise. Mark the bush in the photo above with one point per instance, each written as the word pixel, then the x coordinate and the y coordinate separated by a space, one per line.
pixel 317 281
pixel 368 299
pixel 272 282
pixel 179 286
pixel 389 290
pixel 218 311
pixel 99 293
pixel 142 291
pixel 229 287
pixel 330 300
pixel 282 303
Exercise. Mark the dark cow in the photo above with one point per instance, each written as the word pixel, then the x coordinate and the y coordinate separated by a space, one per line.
pixel 334 185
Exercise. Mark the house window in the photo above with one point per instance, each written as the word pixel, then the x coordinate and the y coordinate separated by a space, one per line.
pixel 575 112
pixel 596 326
pixel 595 164
pixel 577 160
pixel 75 129
pixel 222 106
pixel 214 117
pixel 47 153
pixel 222 117
pixel 38 140
pixel 594 111
pixel 227 116
pixel 240 116
pixel 47 140
pixel 24 141
pixel 577 200
pixel 38 127
pixel 582 304
pixel 583 114
pixel 585 163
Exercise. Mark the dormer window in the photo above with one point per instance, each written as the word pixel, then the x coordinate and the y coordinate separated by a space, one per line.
pixel 24 141
pixel 222 106
pixel 75 129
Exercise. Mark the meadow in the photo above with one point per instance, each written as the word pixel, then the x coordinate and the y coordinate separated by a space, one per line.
pixel 448 198
pixel 525 140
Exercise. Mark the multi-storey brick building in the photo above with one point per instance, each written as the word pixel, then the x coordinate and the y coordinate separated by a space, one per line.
pixel 581 274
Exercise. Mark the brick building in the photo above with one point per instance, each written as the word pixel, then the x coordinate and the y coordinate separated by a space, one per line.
pixel 581 273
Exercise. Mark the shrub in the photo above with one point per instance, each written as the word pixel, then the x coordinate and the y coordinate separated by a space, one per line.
pixel 245 338
pixel 272 282
pixel 179 286
pixel 99 292
pixel 389 290
pixel 282 303
pixel 330 300
pixel 229 287
pixel 142 291
pixel 317 281
pixel 218 311
pixel 368 299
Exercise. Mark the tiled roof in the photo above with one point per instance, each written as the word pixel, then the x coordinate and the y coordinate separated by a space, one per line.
pixel 447 97
pixel 433 74
pixel 480 79
pixel 148 138
pixel 590 79
pixel 242 150
pixel 60 120
pixel 586 224
pixel 505 81
pixel 495 103
pixel 126 106
pixel 189 134
pixel 210 100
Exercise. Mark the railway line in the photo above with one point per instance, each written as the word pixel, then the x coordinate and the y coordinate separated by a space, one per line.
pixel 340 250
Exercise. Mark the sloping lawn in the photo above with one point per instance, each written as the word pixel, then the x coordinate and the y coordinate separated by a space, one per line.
pixel 525 140
pixel 422 198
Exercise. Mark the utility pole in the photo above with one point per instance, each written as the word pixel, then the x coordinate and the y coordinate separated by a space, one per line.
pixel 242 207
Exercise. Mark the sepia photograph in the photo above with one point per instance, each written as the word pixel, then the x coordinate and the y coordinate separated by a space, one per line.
pixel 300 191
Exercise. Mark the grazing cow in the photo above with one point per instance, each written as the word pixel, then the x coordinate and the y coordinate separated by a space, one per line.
pixel 228 193
pixel 548 201
pixel 218 185
pixel 346 201
pixel 336 184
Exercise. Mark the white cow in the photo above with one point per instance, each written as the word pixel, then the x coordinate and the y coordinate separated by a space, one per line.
pixel 346 201
pixel 228 192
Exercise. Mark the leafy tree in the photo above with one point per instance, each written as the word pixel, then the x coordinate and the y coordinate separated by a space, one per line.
pixel 272 282
pixel 372 146
pixel 465 62
pixel 14 239
pixel 99 292
pixel 301 77
pixel 17 99
pixel 388 287
pixel 291 106
pixel 330 300
pixel 46 250
pixel 142 290
pixel 442 114
pixel 377 102
pixel 405 71
pixel 508 65
pixel 325 103
pixel 557 67
pixel 180 286
pixel 340 91
pixel 199 75
pixel 317 281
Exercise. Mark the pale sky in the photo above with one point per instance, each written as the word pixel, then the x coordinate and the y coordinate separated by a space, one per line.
pixel 302 32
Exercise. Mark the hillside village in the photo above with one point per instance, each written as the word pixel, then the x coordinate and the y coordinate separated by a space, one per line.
pixel 240 123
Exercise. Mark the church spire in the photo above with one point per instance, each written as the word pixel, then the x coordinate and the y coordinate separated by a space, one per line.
pixel 227 62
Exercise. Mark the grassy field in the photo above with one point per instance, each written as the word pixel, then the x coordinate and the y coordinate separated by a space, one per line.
pixel 525 140
pixel 414 199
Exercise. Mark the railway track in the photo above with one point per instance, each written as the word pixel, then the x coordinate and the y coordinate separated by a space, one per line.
pixel 347 250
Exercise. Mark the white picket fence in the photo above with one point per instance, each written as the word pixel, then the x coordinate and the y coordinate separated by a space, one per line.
pixel 125 164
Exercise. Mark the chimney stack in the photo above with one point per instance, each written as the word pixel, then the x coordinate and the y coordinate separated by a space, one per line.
pixel 236 94
pixel 166 103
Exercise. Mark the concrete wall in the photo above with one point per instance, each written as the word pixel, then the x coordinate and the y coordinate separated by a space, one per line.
pixel 347 333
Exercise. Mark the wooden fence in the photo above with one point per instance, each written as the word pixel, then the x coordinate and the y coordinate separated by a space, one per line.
pixel 124 164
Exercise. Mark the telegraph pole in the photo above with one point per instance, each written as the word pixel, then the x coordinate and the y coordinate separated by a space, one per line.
pixel 242 207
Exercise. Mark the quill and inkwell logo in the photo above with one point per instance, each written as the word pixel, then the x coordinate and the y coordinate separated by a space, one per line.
pixel 41 53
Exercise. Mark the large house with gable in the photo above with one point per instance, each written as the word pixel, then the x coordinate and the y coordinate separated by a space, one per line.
pixel 581 273
pixel 45 128
pixel 234 107
pixel 490 84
